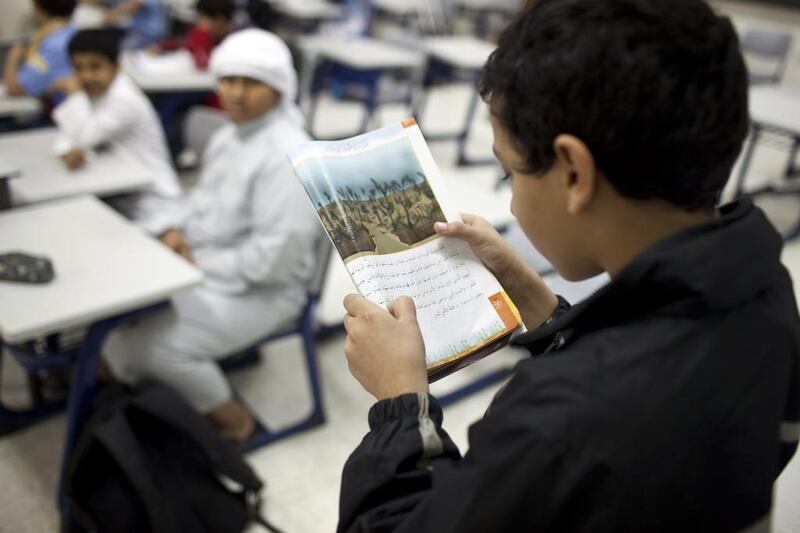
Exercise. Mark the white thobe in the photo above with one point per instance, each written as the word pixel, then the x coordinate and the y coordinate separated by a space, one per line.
pixel 124 118
pixel 252 231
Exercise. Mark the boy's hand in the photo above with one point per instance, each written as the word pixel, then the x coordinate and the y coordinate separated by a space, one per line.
pixel 67 85
pixel 384 350
pixel 74 159
pixel 175 241
pixel 535 301
pixel 485 241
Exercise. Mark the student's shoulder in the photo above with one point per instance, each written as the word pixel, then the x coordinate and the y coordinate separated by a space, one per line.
pixel 220 138
pixel 283 133
pixel 129 96
pixel 58 40
pixel 586 365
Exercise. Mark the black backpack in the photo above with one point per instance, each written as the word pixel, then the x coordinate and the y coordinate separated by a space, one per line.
pixel 146 462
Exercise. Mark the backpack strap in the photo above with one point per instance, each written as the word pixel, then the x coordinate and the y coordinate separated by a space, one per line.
pixel 121 442
pixel 165 405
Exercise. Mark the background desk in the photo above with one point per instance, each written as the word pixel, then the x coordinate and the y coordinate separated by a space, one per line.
pixel 773 108
pixel 454 59
pixel 184 79
pixel 11 106
pixel 104 265
pixel 354 70
pixel 307 11
pixel 45 177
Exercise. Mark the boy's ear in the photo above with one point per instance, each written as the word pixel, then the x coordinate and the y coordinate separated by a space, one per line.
pixel 579 172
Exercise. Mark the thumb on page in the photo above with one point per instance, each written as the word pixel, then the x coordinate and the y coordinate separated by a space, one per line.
pixel 469 230
pixel 403 308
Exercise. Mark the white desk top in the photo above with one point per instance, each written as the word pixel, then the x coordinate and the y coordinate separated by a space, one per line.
pixel 363 53
pixel 776 105
pixel 401 8
pixel 18 105
pixel 8 169
pixel 460 51
pixel 503 6
pixel 45 177
pixel 173 72
pixel 307 9
pixel 104 266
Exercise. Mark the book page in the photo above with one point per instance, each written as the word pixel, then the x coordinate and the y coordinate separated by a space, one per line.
pixel 378 196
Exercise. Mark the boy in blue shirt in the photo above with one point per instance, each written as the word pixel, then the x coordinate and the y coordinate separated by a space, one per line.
pixel 31 68
pixel 144 20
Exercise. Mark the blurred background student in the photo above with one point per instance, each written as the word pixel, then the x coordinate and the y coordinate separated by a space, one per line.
pixel 32 66
pixel 145 21
pixel 105 107
pixel 212 24
pixel 248 226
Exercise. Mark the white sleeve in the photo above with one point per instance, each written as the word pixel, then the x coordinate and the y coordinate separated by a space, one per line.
pixel 87 127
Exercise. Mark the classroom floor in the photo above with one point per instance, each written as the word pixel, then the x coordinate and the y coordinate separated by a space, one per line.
pixel 302 473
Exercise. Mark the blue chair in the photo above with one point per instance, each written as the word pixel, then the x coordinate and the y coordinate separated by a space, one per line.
pixel 306 326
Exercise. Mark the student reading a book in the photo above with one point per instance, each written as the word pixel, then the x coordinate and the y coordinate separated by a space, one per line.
pixel 247 226
pixel 104 107
pixel 670 399
pixel 31 67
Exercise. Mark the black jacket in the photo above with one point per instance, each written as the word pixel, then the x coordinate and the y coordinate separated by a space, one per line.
pixel 671 403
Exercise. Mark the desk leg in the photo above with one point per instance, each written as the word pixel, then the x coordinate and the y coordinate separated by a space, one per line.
pixel 747 159
pixel 791 171
pixel 463 136
pixel 371 104
pixel 83 386
pixel 464 133
pixel 312 113
pixel 5 194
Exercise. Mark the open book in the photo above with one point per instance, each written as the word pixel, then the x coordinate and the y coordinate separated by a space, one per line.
pixel 377 196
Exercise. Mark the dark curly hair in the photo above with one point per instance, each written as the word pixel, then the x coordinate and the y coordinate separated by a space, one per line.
pixel 656 89
pixel 103 41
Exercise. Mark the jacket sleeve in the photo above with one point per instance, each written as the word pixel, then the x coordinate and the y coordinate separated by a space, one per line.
pixel 790 427
pixel 407 475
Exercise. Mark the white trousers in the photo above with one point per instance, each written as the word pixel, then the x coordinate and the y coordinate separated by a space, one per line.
pixel 179 345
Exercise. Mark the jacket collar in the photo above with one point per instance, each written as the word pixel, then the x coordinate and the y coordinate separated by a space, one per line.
pixel 705 269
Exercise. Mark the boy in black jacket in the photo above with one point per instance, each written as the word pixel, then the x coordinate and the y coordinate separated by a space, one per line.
pixel 668 401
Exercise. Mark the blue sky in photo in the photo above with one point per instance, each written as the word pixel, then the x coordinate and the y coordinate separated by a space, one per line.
pixel 385 163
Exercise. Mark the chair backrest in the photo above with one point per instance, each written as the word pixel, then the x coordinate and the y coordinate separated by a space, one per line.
pixel 199 125
pixel 766 51
pixel 322 259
